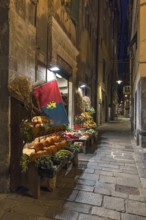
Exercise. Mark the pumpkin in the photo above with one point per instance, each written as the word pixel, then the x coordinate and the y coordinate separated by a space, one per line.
pixel 50 140
pixel 53 148
pixel 41 152
pixel 53 137
pixel 38 146
pixel 58 145
pixel 48 150
pixel 63 143
pixel 56 138
pixel 45 142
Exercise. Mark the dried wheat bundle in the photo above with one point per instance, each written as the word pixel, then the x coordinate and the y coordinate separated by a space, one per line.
pixel 20 87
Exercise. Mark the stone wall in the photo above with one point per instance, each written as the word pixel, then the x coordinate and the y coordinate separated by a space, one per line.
pixel 142 113
pixel 4 99
pixel 22 38
pixel 17 57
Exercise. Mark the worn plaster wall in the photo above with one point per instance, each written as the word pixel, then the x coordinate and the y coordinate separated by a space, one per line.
pixel 17 57
pixel 42 41
pixel 87 44
pixel 139 71
pixel 4 97
pixel 22 38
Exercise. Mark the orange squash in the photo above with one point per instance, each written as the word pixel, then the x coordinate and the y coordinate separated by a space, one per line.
pixel 38 146
pixel 50 140
pixel 63 143
pixel 46 143
pixel 53 148
pixel 48 150
pixel 41 153
pixel 58 145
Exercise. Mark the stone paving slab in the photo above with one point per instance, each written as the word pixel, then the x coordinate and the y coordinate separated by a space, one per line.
pixel 134 207
pixel 126 181
pixel 128 217
pixel 89 176
pixel 119 195
pixel 143 180
pixel 86 182
pixel 78 207
pixel 67 214
pixel 89 198
pixel 135 172
pixel 89 170
pixel 126 175
pixel 89 217
pixel 84 188
pixel 104 173
pixel 114 203
pixel 100 211
pixel 107 179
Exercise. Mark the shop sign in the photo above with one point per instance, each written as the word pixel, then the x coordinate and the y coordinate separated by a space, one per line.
pixel 126 90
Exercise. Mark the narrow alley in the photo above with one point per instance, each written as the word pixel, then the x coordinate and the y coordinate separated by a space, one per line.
pixel 109 183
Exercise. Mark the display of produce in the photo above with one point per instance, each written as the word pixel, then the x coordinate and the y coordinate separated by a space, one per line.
pixel 89 124
pixel 36 127
pixel 71 134
pixel 63 154
pixel 73 147
pixel 45 151
pixel 51 148
pixel 85 120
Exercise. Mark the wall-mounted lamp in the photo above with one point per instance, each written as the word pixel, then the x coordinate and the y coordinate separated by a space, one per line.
pixel 58 75
pixel 119 81
pixel 54 68
pixel 82 86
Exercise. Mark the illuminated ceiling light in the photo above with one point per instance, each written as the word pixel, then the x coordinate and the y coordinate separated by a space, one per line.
pixel 54 68
pixel 119 81
pixel 59 76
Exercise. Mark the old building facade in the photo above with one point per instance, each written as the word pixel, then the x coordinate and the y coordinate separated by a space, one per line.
pixel 108 30
pixel 38 35
pixel 137 50
pixel 78 37
pixel 87 46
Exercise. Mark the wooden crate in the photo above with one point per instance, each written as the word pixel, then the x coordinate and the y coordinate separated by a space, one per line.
pixel 33 181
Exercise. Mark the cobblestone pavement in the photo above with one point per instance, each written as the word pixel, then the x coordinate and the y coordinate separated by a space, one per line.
pixel 110 183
